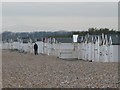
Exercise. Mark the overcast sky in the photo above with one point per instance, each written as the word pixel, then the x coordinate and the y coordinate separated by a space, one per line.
pixel 27 17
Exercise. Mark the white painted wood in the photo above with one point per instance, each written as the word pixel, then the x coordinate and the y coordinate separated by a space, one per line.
pixel 93 48
pixel 40 46
pixel 102 50
pixel 75 38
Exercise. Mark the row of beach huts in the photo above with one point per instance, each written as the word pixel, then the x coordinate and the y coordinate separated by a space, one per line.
pixel 95 48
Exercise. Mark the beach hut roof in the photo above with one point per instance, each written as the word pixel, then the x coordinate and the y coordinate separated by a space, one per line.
pixel 88 38
pixel 115 38
pixel 81 39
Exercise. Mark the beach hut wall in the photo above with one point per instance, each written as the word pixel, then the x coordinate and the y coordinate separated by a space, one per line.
pixel 98 48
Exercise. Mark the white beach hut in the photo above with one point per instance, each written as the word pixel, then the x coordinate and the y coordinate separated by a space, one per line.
pixel 106 49
pixel 114 48
pixel 93 48
pixel 40 46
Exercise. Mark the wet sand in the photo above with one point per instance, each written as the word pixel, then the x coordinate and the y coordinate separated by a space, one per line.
pixel 24 70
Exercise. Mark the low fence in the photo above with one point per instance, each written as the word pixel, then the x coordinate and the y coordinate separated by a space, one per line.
pixel 61 50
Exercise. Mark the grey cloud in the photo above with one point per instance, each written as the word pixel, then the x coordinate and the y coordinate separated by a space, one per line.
pixel 89 9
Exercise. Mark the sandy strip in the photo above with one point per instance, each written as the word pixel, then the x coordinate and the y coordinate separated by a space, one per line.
pixel 26 70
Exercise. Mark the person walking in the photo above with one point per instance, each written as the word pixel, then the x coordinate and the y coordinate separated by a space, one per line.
pixel 35 49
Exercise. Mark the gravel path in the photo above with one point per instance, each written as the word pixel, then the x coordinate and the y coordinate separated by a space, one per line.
pixel 42 71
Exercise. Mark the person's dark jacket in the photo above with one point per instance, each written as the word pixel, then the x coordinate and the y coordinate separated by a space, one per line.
pixel 35 46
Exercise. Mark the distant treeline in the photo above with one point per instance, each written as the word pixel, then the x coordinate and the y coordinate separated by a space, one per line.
pixel 38 35
pixel 97 31
pixel 91 31
pixel 33 35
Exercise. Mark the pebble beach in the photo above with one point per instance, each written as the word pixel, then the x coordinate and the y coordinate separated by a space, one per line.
pixel 25 70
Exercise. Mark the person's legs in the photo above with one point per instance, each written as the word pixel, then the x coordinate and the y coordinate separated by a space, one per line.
pixel 35 52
